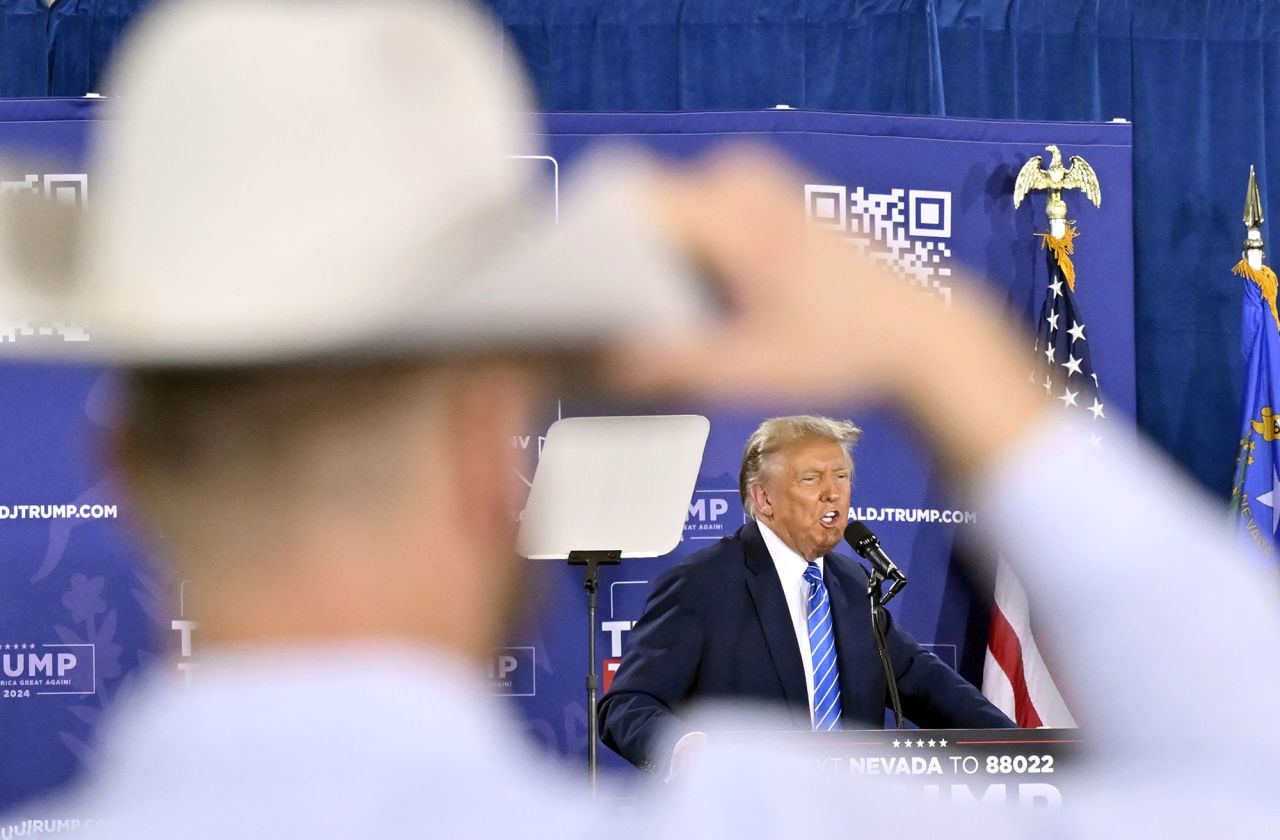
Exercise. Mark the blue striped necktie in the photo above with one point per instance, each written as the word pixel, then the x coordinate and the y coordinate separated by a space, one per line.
pixel 822 647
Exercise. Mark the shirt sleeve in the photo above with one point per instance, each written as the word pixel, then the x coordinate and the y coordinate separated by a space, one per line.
pixel 1161 620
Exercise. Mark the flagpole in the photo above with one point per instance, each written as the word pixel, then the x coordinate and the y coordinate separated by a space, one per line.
pixel 1253 223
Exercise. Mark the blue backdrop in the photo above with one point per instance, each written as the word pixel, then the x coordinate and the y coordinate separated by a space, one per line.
pixel 928 196
pixel 1192 76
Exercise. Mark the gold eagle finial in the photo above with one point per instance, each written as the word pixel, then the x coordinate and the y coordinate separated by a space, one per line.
pixel 1055 179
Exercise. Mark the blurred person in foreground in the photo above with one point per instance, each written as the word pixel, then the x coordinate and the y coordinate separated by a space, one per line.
pixel 306 250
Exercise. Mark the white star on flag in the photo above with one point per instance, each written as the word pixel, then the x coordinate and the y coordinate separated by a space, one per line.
pixel 1271 498
pixel 1076 332
pixel 1072 364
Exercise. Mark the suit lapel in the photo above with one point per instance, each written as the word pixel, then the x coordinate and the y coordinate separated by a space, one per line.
pixel 775 617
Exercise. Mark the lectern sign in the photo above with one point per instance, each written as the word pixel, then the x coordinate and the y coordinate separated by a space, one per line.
pixel 1021 767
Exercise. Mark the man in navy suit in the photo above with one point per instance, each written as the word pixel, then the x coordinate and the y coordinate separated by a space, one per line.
pixel 733 621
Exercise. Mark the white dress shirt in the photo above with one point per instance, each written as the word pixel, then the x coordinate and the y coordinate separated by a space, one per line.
pixel 371 740
pixel 791 566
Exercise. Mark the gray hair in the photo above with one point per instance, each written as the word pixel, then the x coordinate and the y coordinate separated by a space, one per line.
pixel 777 432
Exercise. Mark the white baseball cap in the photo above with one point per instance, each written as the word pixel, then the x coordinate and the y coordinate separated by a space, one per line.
pixel 283 180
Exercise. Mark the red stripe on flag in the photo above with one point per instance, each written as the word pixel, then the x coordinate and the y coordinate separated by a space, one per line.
pixel 1007 649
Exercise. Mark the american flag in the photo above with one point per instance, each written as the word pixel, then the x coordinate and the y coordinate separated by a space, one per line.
pixel 1063 367
pixel 1015 677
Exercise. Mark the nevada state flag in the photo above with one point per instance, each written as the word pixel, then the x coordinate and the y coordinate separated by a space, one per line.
pixel 1255 493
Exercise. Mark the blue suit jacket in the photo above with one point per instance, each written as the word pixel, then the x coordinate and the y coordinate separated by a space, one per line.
pixel 718 626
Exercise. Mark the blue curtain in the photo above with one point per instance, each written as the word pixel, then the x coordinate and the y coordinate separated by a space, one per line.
pixel 1192 75
pixel 24 48
pixel 59 50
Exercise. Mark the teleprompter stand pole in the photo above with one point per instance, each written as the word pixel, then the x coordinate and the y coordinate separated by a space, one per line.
pixel 874 595
pixel 593 560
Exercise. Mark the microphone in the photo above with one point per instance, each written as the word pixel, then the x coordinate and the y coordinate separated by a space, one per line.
pixel 865 543
pixel 868 546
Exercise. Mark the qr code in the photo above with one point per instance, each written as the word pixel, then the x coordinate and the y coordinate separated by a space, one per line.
pixel 908 231
pixel 13 331
pixel 64 188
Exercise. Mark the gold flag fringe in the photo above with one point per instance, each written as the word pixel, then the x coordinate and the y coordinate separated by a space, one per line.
pixel 1266 280
pixel 1062 250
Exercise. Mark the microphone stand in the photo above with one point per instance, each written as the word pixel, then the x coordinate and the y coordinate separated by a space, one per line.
pixel 593 560
pixel 875 596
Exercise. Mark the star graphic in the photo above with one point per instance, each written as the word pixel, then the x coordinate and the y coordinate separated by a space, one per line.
pixel 897 744
pixel 942 743
pixel 1056 288
pixel 1068 397
pixel 1271 499
pixel 1053 320
pixel 1072 364
pixel 1048 384
pixel 1096 408
pixel 933 743
pixel 1095 440
pixel 919 743
pixel 1076 331
pixel 1048 354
